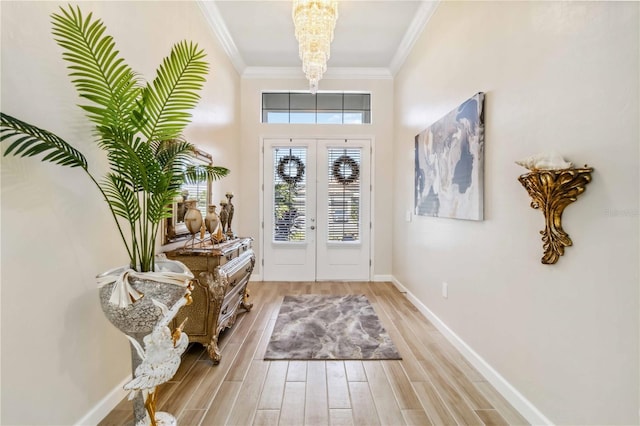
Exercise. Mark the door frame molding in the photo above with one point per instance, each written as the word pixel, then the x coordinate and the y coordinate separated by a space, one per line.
pixel 372 199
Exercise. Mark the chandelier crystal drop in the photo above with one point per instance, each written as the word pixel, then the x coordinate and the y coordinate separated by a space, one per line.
pixel 314 21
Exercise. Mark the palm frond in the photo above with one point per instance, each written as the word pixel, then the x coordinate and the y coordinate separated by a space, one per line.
pixel 29 140
pixel 122 198
pixel 200 173
pixel 174 92
pixel 120 146
pixel 174 156
pixel 159 206
pixel 99 73
pixel 132 158
pixel 173 151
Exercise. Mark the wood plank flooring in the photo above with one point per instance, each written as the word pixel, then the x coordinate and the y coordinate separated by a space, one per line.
pixel 432 385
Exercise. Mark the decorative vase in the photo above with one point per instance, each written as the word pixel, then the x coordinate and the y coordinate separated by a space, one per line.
pixel 224 216
pixel 193 219
pixel 211 220
pixel 230 211
pixel 127 300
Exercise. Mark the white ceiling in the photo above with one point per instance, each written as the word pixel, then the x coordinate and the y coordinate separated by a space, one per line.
pixel 372 37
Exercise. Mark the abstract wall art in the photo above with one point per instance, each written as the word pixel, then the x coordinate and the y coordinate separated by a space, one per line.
pixel 449 162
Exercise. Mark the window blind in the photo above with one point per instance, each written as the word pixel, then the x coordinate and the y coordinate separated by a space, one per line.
pixel 289 194
pixel 344 194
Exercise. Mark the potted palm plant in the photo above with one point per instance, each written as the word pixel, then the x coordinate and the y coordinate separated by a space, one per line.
pixel 139 126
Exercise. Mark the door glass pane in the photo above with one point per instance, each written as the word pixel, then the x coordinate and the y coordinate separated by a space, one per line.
pixel 289 194
pixel 344 194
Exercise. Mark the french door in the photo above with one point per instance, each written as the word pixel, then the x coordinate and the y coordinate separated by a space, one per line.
pixel 317 197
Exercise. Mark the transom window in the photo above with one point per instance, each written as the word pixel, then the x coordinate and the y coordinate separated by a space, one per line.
pixel 319 108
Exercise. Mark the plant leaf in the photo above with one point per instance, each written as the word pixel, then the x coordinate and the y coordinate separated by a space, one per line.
pixel 29 140
pixel 174 91
pixel 159 205
pixel 98 72
pixel 122 197
pixel 133 159
pixel 200 173
pixel 174 156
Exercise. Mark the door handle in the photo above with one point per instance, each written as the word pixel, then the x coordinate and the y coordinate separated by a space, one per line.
pixel 313 227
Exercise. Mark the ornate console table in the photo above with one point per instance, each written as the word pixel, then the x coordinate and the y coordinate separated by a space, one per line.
pixel 220 289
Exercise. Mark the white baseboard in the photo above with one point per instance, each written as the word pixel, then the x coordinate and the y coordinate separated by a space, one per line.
pixel 104 407
pixel 382 278
pixel 510 393
pixel 255 277
pixel 401 288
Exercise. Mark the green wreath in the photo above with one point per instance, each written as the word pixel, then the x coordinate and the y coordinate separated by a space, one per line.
pixel 284 163
pixel 342 161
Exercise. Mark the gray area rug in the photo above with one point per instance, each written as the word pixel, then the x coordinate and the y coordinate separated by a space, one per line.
pixel 312 326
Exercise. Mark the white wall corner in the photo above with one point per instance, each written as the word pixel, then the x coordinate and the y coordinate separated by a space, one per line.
pixel 106 404
pixel 413 32
pixel 220 30
pixel 510 393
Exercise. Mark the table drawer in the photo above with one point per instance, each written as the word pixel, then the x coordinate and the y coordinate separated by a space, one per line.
pixel 235 271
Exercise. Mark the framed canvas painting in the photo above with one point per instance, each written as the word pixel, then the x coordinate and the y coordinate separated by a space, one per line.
pixel 449 162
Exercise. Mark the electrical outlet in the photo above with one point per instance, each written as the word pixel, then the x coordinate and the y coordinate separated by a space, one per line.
pixel 407 216
pixel 445 290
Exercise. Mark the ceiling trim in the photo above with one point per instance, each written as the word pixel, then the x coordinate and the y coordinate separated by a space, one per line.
pixel 413 32
pixel 331 74
pixel 219 28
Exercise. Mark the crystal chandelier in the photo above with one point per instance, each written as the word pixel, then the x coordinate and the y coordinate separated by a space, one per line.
pixel 314 21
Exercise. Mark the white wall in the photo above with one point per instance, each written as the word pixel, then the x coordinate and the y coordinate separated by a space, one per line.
pixel 557 75
pixel 60 356
pixel 381 132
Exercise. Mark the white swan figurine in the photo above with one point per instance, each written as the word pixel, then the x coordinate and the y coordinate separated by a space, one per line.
pixel 545 161
pixel 160 361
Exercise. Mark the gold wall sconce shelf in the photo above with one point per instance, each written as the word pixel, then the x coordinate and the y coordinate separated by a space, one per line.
pixel 551 191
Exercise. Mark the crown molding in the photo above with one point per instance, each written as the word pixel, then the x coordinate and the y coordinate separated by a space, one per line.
pixel 220 30
pixel 426 10
pixel 338 73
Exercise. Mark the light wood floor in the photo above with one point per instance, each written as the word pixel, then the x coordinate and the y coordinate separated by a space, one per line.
pixel 432 384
